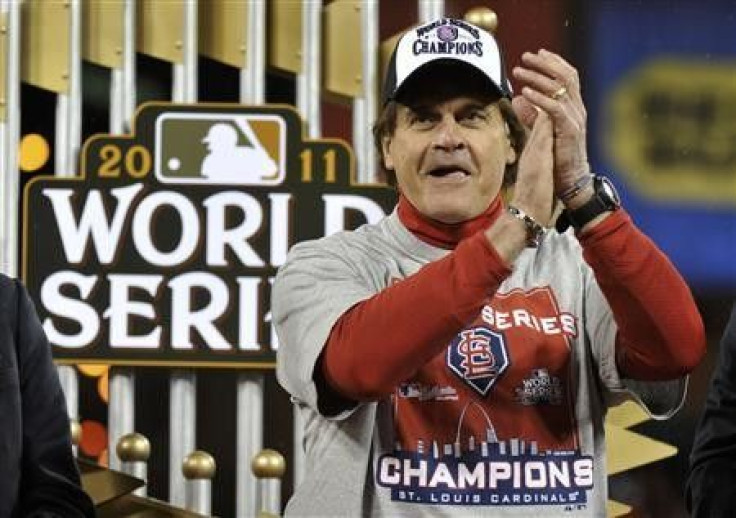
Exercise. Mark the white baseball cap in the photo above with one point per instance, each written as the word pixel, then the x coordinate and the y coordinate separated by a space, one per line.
pixel 441 40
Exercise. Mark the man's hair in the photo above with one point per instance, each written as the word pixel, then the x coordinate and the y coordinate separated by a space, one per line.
pixel 385 126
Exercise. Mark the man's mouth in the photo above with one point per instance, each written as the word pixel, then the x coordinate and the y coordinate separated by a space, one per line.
pixel 448 172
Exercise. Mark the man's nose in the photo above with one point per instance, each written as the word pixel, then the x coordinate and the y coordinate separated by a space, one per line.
pixel 448 136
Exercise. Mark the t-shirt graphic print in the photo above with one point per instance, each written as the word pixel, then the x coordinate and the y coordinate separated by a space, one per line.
pixel 491 420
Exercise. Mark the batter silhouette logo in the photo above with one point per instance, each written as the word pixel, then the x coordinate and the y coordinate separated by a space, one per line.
pixel 479 357
pixel 220 149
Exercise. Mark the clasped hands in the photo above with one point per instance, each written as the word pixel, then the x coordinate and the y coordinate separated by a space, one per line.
pixel 554 157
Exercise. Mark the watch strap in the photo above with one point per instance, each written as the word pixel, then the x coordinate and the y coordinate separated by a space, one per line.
pixel 599 203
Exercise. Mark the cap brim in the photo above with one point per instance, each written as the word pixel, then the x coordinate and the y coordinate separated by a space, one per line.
pixel 410 81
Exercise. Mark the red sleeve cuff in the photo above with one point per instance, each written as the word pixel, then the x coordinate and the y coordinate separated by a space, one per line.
pixel 609 226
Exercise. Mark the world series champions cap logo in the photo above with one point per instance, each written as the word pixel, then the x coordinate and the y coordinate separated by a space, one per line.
pixel 445 39
pixel 220 149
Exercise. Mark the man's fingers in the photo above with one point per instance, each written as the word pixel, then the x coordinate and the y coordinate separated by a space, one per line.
pixel 538 81
pixel 543 121
pixel 534 185
pixel 556 69
pixel 541 137
pixel 525 111
pixel 569 72
pixel 555 109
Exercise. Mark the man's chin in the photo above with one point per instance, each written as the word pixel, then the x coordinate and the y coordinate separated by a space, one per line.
pixel 451 215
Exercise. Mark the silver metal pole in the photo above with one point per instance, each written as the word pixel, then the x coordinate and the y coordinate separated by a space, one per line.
pixel 116 101
pixel 250 385
pixel 122 80
pixel 269 466
pixel 429 10
pixel 9 138
pixel 121 409
pixel 133 451
pixel 128 69
pixel 183 383
pixel 249 442
pixel 68 136
pixel 199 496
pixel 308 80
pixel 70 385
pixel 185 73
pixel 139 470
pixel 299 456
pixel 69 105
pixel 253 75
pixel 6 210
pixel 199 468
pixel 61 136
pixel 364 107
pixel 270 496
pixel 182 429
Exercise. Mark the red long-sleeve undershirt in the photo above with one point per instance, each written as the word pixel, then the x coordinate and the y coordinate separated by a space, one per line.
pixel 385 339
pixel 660 332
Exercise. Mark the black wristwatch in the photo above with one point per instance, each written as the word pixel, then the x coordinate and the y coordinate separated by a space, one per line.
pixel 605 198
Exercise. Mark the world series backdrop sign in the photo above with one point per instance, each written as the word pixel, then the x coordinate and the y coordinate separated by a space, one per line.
pixel 162 251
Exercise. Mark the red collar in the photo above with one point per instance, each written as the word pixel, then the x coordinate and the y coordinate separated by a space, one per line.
pixel 445 235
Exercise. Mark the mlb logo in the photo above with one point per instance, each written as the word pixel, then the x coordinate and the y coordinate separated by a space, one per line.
pixel 220 149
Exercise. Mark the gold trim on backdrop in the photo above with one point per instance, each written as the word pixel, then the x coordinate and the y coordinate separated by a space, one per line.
pixel 222 27
pixel 285 36
pixel 615 509
pixel 45 43
pixel 3 64
pixel 161 29
pixel 250 365
pixel 102 37
pixel 343 56
pixel 626 415
pixel 627 450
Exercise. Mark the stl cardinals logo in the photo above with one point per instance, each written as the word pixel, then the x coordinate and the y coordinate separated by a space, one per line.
pixel 479 356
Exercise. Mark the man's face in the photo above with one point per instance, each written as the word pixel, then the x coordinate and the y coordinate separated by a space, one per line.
pixel 449 150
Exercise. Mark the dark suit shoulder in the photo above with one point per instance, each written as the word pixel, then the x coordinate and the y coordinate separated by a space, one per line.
pixel 8 318
pixel 8 289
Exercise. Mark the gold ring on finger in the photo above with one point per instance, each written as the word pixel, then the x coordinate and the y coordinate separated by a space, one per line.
pixel 559 93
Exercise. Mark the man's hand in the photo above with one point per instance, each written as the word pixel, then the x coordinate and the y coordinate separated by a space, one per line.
pixel 552 85
pixel 533 192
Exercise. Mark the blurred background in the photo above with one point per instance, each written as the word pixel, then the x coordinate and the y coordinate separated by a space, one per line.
pixel 659 82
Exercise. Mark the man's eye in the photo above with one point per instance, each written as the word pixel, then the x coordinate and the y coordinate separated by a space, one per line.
pixel 422 118
pixel 476 116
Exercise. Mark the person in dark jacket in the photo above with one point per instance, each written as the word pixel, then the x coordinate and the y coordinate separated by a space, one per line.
pixel 38 473
pixel 710 486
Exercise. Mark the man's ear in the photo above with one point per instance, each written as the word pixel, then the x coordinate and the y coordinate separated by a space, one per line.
pixel 388 161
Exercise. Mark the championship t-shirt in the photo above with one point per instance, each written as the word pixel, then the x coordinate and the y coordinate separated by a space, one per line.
pixel 507 420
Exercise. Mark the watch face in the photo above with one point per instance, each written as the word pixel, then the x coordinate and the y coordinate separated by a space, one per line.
pixel 606 198
pixel 607 189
